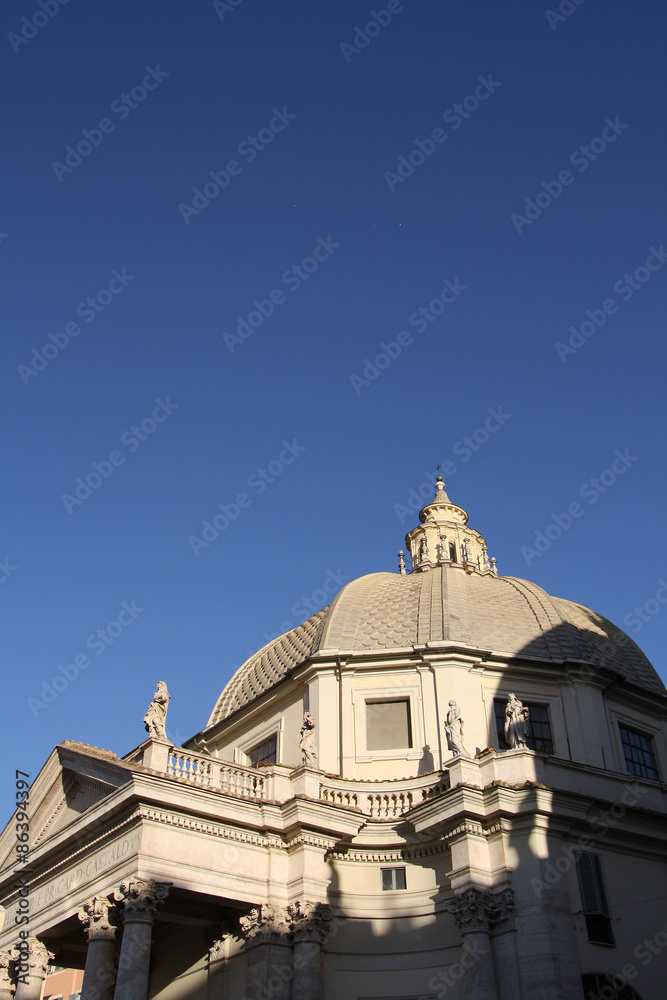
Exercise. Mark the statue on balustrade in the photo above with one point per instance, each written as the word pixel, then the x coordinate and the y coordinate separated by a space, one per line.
pixel 156 717
pixel 516 723
pixel 307 742
pixel 454 730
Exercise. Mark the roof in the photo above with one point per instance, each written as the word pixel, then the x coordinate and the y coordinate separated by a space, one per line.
pixel 446 605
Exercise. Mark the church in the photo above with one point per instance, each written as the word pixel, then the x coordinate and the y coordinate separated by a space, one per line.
pixel 447 783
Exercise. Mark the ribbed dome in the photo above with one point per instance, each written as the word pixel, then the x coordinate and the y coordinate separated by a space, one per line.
pixel 444 606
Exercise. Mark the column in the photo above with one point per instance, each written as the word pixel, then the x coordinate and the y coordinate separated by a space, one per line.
pixel 141 898
pixel 503 945
pixel 217 961
pixel 6 984
pixel 309 922
pixel 98 919
pixel 31 960
pixel 269 953
pixel 471 912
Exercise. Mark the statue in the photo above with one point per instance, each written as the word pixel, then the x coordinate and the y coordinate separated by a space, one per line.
pixel 516 723
pixel 156 716
pixel 454 730
pixel 444 557
pixel 307 742
pixel 465 548
pixel 423 550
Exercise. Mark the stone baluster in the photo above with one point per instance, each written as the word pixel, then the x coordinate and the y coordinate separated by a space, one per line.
pixel 217 961
pixel 471 911
pixel 503 945
pixel 309 922
pixel 141 898
pixel 269 953
pixel 31 961
pixel 6 984
pixel 98 919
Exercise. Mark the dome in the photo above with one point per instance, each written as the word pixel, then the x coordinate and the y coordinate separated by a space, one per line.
pixel 453 597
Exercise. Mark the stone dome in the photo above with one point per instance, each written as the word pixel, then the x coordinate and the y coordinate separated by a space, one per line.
pixel 453 597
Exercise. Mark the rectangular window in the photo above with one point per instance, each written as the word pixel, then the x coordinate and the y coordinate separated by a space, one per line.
pixel 265 753
pixel 539 726
pixel 639 757
pixel 593 899
pixel 393 878
pixel 388 725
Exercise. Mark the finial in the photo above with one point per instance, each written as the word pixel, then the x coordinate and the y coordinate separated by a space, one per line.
pixel 401 562
pixel 439 483
pixel 493 565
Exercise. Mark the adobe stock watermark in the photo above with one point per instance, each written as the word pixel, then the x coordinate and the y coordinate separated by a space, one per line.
pixel 625 288
pixel 122 107
pixel 31 26
pixel 259 481
pixel 566 8
pixel 419 320
pixel 581 158
pixel 640 614
pixel 362 38
pixel 131 439
pixel 249 149
pixel 223 7
pixel 464 448
pixel 88 310
pixel 591 491
pixel 292 278
pixel 7 569
pixel 97 642
pixel 454 116
pixel 618 982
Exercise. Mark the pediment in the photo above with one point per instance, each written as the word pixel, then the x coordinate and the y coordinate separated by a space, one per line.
pixel 70 782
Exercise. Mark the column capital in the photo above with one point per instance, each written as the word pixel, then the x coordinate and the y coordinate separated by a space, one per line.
pixel 31 958
pixel 264 924
pixel 141 898
pixel 309 921
pixel 6 977
pixel 219 947
pixel 501 911
pixel 471 910
pixel 98 916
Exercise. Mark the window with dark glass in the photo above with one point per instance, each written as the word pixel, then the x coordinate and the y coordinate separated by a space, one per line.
pixel 593 898
pixel 393 878
pixel 639 757
pixel 265 753
pixel 600 984
pixel 539 726
pixel 388 725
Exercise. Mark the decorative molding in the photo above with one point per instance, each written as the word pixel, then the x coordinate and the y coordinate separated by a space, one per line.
pixel 141 898
pixel 219 947
pixel 399 854
pixel 214 829
pixel 98 916
pixel 68 784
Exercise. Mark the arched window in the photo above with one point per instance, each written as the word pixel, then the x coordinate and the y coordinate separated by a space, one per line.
pixel 607 986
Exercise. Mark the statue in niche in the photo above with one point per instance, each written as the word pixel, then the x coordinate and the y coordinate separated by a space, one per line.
pixel 156 716
pixel 307 743
pixel 423 550
pixel 454 730
pixel 516 723
pixel 465 550
pixel 443 548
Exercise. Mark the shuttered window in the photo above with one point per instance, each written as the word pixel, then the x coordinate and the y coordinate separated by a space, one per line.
pixel 265 753
pixel 593 899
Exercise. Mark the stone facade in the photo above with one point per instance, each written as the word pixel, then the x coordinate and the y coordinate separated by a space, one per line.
pixel 391 843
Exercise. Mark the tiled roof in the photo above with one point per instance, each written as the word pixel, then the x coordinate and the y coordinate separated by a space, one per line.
pixel 385 611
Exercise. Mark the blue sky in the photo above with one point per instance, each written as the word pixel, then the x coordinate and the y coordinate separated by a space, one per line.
pixel 214 218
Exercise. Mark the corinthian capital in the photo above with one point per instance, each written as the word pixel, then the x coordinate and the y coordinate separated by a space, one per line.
pixel 501 911
pixel 31 957
pixel 471 910
pixel 141 898
pixel 98 916
pixel 6 984
pixel 308 921
pixel 263 923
